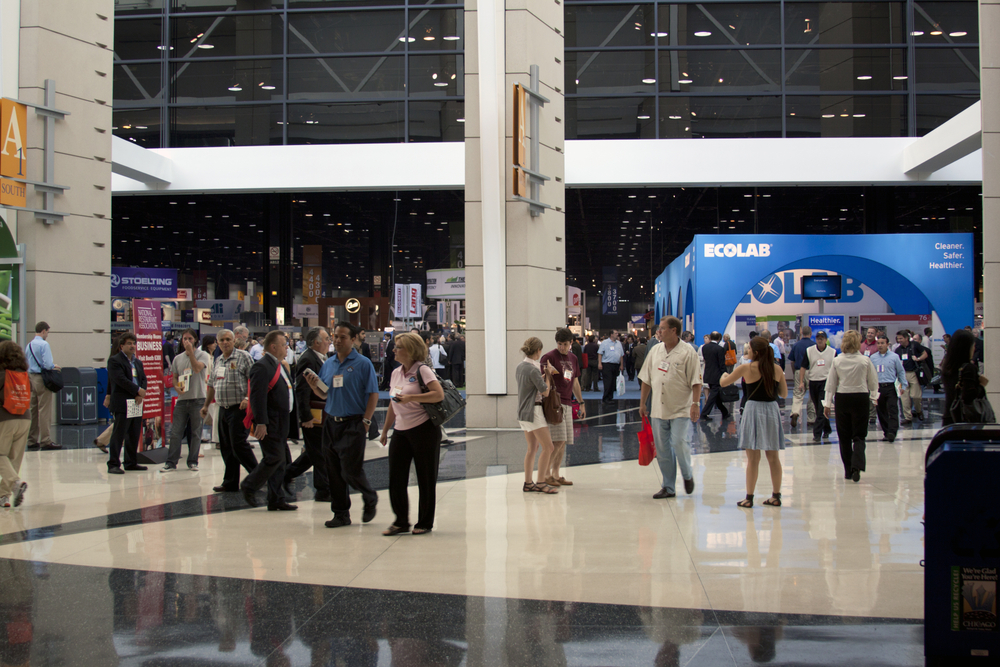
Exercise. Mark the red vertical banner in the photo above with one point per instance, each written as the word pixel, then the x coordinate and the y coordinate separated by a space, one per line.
pixel 149 349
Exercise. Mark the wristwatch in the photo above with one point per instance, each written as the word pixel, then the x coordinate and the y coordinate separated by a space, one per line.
pixel 368 422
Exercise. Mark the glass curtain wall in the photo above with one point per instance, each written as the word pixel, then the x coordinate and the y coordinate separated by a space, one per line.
pixel 648 70
pixel 271 72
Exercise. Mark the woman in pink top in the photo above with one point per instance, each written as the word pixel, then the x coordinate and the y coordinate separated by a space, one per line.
pixel 415 437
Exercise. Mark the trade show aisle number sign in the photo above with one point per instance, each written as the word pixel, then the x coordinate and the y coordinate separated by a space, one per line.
pixel 13 161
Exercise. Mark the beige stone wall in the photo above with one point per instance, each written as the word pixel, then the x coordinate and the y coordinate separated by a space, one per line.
pixel 989 59
pixel 69 262
pixel 535 247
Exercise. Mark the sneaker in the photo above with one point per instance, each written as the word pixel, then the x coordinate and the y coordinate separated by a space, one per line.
pixel 4 501
pixel 193 468
pixel 168 467
pixel 19 490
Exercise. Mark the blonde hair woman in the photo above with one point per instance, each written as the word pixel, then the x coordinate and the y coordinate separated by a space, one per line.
pixel 852 387
pixel 531 387
pixel 415 439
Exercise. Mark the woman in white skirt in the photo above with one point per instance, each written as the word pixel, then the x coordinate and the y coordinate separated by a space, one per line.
pixel 531 387
pixel 760 426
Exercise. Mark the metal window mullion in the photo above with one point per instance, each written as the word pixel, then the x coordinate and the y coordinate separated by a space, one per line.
pixel 284 74
pixel 406 75
pixel 656 71
pixel 784 107
pixel 911 71
pixel 165 77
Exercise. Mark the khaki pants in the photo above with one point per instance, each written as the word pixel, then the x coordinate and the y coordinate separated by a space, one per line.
pixel 13 439
pixel 41 412
pixel 797 397
pixel 912 395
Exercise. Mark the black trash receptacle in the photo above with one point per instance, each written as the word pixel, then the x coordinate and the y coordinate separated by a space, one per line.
pixel 962 546
pixel 78 399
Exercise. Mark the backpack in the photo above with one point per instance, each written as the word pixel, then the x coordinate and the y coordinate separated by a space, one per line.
pixel 16 392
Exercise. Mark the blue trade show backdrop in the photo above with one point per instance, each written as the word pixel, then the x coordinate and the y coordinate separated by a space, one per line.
pixel 914 273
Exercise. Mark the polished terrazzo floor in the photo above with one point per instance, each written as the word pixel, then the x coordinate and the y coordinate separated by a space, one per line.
pixel 156 569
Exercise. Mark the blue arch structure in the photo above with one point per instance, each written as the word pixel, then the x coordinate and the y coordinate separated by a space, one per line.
pixel 914 273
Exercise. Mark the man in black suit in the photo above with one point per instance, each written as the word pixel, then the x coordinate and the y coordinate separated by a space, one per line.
pixel 456 361
pixel 127 381
pixel 317 344
pixel 715 365
pixel 270 403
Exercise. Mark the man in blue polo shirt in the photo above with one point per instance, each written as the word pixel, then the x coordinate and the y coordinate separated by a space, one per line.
pixel 351 396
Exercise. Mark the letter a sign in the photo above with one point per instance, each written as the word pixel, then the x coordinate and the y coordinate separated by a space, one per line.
pixel 13 152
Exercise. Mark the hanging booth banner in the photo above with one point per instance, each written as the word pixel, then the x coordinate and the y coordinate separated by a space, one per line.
pixel 407 302
pixel 446 284
pixel 574 300
pixel 312 274
pixel 135 283
pixel 609 293
pixel 149 349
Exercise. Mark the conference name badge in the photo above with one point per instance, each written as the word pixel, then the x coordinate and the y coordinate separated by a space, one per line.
pixel 567 374
pixel 664 366
pixel 338 381
pixel 821 362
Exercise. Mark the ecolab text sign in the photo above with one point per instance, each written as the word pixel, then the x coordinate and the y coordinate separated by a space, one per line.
pixel 737 250
pixel 143 283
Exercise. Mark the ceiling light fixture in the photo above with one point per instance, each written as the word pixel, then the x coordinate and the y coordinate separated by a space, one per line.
pixel 649 80
pixel 960 33
pixel 864 77
pixel 685 81
pixel 702 33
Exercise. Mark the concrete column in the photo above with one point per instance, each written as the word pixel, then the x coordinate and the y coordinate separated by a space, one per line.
pixel 989 59
pixel 69 262
pixel 515 264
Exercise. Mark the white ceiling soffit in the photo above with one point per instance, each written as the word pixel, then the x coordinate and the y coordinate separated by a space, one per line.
pixel 952 141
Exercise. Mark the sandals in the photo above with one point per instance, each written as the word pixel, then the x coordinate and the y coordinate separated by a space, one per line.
pixel 395 530
pixel 530 487
pixel 774 500
pixel 748 502
pixel 421 531
pixel 546 488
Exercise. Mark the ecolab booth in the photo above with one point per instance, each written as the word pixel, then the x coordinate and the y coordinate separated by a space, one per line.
pixel 913 274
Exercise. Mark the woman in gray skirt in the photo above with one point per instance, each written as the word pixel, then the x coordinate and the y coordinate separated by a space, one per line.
pixel 532 386
pixel 760 426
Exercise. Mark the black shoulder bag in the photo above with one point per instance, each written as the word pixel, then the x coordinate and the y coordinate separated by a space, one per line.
pixel 442 411
pixel 51 378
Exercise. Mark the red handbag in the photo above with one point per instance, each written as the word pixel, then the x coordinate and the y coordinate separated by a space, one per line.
pixel 647 449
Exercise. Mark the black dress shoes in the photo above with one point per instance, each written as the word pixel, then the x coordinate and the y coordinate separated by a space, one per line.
pixel 338 521
pixel 282 507
pixel 368 514
pixel 323 498
pixel 663 493
pixel 136 467
pixel 856 475
pixel 51 447
pixel 689 486
pixel 115 471
pixel 222 489
pixel 250 497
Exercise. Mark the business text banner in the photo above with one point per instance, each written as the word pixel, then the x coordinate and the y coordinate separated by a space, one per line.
pixel 149 350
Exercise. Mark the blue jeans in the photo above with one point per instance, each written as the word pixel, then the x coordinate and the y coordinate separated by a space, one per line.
pixel 676 433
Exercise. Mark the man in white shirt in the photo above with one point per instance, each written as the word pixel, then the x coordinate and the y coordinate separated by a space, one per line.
pixel 256 351
pixel 672 375
pixel 438 356
pixel 816 368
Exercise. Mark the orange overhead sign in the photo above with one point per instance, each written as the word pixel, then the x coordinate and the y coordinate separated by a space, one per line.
pixel 520 153
pixel 13 153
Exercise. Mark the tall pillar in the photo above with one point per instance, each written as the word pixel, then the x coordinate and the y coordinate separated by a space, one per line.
pixel 515 263
pixel 69 262
pixel 989 58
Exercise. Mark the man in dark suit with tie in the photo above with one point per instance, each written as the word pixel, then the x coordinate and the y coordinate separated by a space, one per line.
pixel 317 344
pixel 715 366
pixel 270 403
pixel 127 381
pixel 456 361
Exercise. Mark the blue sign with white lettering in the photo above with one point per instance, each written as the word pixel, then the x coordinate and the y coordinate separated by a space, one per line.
pixel 913 273
pixel 143 283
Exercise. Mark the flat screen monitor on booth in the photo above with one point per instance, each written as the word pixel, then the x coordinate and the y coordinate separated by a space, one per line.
pixel 821 287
